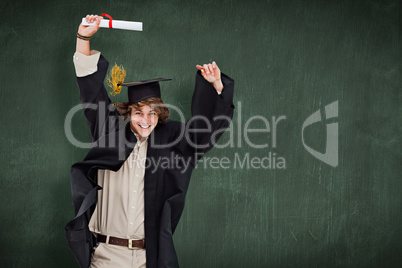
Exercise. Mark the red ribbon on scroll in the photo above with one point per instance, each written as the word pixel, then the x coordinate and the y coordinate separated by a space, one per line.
pixel 110 21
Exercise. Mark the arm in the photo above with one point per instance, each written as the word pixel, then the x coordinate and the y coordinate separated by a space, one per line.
pixel 91 70
pixel 87 31
pixel 211 108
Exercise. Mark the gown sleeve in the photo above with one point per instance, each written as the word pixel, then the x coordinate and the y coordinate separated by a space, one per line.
pixel 211 114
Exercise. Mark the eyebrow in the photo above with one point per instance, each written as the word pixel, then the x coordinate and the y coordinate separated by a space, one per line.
pixel 137 110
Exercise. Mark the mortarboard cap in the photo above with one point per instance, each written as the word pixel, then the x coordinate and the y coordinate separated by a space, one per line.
pixel 141 90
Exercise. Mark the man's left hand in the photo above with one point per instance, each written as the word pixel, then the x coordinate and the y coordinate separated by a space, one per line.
pixel 212 74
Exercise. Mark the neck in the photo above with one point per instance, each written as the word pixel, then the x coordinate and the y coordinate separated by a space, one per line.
pixel 140 138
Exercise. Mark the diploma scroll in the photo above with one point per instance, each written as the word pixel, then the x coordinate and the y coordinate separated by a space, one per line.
pixel 117 24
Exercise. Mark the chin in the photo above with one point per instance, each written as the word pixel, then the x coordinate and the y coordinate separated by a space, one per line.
pixel 144 134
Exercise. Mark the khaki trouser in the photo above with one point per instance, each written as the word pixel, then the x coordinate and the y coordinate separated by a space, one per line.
pixel 113 256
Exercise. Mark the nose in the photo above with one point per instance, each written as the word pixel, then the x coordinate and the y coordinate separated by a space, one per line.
pixel 145 119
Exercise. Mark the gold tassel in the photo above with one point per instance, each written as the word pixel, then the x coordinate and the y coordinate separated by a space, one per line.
pixel 116 78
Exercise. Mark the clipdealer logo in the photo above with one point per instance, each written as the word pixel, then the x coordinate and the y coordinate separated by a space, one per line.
pixel 245 160
pixel 330 156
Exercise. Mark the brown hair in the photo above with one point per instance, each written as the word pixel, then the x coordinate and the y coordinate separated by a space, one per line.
pixel 157 104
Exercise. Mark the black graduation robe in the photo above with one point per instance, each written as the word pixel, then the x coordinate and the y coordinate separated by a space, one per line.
pixel 165 187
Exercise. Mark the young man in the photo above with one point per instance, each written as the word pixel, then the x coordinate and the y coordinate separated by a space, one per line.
pixel 127 205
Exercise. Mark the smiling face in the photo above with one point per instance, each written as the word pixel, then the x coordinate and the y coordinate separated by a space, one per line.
pixel 143 121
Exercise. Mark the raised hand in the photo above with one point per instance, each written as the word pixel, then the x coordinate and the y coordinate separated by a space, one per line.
pixel 212 74
pixel 88 31
pixel 85 33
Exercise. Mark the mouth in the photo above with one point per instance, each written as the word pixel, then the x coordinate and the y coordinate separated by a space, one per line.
pixel 144 127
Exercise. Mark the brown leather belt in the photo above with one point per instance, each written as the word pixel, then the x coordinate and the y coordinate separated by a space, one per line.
pixel 130 243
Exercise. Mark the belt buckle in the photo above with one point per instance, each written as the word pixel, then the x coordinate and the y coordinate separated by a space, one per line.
pixel 130 243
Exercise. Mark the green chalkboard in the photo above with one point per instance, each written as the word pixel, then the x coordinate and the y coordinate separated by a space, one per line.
pixel 309 174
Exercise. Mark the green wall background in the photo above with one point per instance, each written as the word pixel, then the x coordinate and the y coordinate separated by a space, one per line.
pixel 288 58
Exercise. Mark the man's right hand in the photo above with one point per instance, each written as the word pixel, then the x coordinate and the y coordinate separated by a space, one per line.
pixel 88 31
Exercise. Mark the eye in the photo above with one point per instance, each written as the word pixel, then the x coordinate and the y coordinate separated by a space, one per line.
pixel 137 113
pixel 152 113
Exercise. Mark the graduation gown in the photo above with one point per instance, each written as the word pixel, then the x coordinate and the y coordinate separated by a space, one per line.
pixel 165 186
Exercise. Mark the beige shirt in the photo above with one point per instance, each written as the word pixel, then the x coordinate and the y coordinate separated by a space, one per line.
pixel 120 208
pixel 86 65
